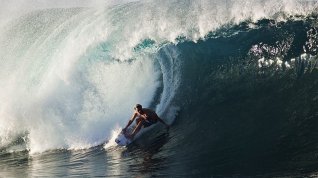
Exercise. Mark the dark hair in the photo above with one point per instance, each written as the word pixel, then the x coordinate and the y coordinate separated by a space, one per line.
pixel 138 106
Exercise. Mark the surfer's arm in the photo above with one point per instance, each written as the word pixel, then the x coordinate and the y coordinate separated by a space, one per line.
pixel 130 121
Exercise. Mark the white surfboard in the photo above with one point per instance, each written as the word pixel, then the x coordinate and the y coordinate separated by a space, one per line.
pixel 122 140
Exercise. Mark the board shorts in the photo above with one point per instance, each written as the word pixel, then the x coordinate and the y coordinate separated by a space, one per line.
pixel 148 123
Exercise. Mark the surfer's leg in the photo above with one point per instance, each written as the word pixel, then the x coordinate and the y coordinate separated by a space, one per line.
pixel 136 130
pixel 138 120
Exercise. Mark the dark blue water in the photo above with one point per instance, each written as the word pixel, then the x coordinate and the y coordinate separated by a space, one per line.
pixel 241 100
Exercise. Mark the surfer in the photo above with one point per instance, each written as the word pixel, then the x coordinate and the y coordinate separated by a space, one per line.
pixel 145 118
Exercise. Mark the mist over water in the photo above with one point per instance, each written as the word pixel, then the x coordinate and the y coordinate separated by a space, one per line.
pixel 71 73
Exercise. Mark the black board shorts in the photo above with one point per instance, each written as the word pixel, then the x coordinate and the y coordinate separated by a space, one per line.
pixel 147 123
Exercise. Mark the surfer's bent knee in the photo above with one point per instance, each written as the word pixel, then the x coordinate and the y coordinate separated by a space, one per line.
pixel 138 120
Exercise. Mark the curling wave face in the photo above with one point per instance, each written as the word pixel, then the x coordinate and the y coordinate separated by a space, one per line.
pixel 241 71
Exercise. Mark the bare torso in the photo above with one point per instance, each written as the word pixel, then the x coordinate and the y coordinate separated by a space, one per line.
pixel 149 114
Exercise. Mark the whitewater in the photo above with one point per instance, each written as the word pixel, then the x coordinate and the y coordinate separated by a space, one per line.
pixel 71 73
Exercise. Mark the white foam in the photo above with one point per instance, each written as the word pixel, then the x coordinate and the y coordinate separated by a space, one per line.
pixel 111 142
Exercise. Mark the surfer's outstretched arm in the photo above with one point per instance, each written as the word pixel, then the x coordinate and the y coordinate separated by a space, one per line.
pixel 130 121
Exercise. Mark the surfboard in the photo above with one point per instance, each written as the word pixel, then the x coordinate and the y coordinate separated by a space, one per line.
pixel 122 140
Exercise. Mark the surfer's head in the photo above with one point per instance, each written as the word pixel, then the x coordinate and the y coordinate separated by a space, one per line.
pixel 138 107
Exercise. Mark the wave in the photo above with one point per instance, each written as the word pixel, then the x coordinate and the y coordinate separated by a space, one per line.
pixel 70 76
pixel 249 97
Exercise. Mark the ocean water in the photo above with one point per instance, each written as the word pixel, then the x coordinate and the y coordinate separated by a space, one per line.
pixel 236 80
